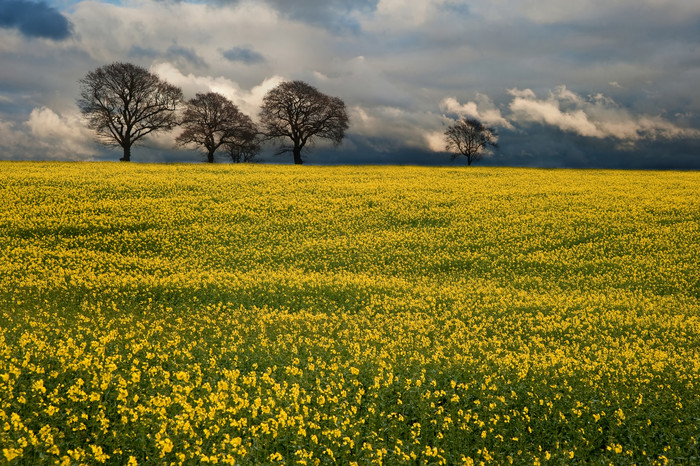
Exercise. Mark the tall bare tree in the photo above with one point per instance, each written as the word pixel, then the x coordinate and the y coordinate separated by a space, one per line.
pixel 211 121
pixel 470 138
pixel 298 113
pixel 123 103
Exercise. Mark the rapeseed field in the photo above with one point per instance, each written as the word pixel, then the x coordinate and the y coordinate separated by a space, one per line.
pixel 244 314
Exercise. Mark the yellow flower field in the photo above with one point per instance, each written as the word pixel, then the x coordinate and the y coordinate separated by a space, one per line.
pixel 244 314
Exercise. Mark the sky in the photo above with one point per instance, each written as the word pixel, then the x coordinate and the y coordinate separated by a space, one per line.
pixel 606 84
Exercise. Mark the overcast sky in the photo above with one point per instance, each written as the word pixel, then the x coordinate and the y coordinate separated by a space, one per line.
pixel 588 83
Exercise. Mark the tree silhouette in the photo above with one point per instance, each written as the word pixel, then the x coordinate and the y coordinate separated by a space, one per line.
pixel 244 151
pixel 297 112
pixel 211 120
pixel 123 103
pixel 469 137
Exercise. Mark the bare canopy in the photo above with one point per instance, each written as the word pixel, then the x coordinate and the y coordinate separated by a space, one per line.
pixel 123 103
pixel 211 121
pixel 245 151
pixel 299 114
pixel 470 138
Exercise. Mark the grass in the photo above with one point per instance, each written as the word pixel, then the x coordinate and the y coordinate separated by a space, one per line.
pixel 156 314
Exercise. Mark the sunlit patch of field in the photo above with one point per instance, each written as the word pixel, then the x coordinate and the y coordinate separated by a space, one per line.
pixel 249 314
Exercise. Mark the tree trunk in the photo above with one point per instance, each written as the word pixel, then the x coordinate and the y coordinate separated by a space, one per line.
pixel 127 154
pixel 297 156
pixel 210 156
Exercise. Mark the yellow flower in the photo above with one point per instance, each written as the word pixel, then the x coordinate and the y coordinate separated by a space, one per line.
pixel 98 454
pixel 11 453
pixel 338 309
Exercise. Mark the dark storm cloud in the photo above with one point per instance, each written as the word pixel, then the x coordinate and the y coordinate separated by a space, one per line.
pixel 586 84
pixel 34 19
pixel 552 148
pixel 28 81
pixel 546 148
pixel 361 150
pixel 244 55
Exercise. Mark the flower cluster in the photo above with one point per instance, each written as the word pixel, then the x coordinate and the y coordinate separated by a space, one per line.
pixel 182 314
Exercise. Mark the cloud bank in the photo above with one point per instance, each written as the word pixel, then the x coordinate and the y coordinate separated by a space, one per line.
pixel 565 85
pixel 595 116
pixel 483 109
pixel 47 135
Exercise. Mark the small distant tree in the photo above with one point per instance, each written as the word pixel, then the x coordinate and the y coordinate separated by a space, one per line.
pixel 297 112
pixel 211 120
pixel 470 138
pixel 123 103
pixel 246 149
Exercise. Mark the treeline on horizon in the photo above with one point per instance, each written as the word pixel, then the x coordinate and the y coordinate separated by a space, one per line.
pixel 123 103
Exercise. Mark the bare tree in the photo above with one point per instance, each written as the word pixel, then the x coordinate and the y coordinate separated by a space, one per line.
pixel 211 120
pixel 246 149
pixel 298 112
pixel 124 102
pixel 471 138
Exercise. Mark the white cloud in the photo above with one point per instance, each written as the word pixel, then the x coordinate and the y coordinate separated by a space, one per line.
pixel 360 81
pixel 248 101
pixel 146 30
pixel 10 40
pixel 435 141
pixel 47 135
pixel 404 128
pixel 392 62
pixel 62 134
pixel 548 112
pixel 524 94
pixel 483 109
pixel 595 116
pixel 10 136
